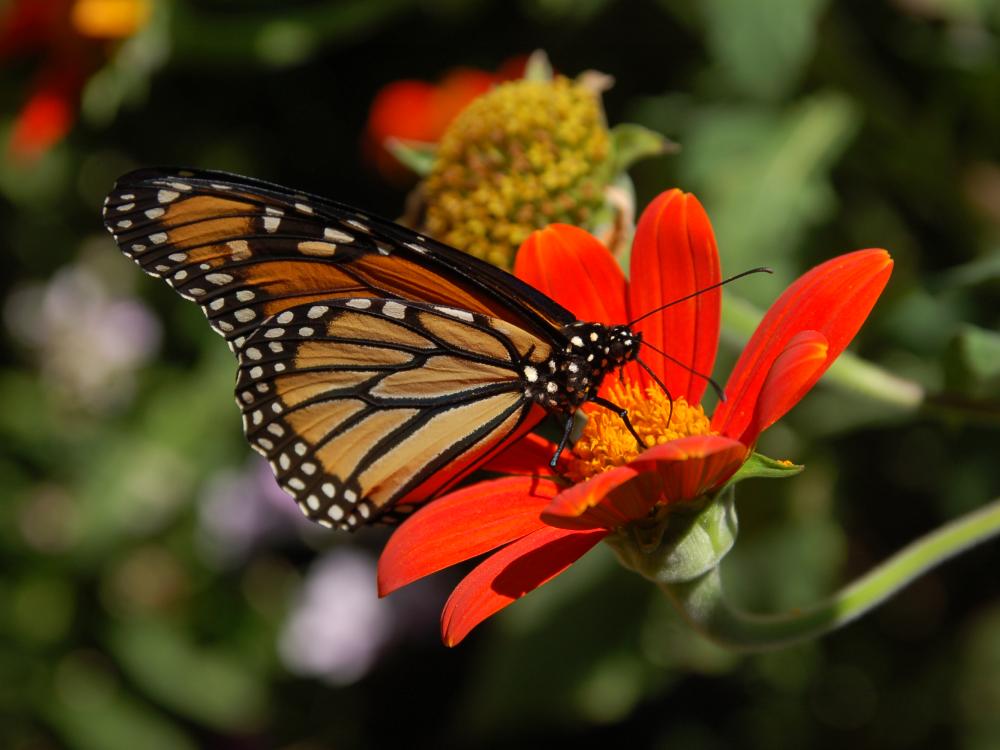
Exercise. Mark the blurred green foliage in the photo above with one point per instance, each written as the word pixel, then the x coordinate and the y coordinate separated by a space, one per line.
pixel 143 605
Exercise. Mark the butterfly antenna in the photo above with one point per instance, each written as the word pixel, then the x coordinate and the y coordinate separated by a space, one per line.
pixel 663 386
pixel 715 386
pixel 761 269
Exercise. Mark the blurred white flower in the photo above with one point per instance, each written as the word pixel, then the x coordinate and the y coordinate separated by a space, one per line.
pixel 244 508
pixel 338 626
pixel 88 341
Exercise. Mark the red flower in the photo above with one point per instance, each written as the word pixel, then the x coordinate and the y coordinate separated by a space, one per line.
pixel 73 36
pixel 541 524
pixel 420 111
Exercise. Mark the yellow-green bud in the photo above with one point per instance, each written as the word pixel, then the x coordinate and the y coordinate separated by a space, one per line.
pixel 520 157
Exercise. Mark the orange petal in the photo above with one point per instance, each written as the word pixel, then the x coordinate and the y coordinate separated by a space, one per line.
pixel 511 573
pixel 461 525
pixel 529 455
pixel 572 267
pixel 586 505
pixel 674 255
pixel 834 299
pixel 793 373
pixel 691 466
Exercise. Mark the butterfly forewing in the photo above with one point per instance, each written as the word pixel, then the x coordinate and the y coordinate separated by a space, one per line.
pixel 361 403
pixel 246 250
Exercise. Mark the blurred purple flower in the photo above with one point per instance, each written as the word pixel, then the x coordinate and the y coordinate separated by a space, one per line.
pixel 244 508
pixel 88 341
pixel 338 626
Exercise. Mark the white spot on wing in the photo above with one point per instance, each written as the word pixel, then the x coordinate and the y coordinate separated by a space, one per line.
pixel 336 235
pixel 240 249
pixel 394 310
pixel 165 196
pixel 455 313
pixel 362 303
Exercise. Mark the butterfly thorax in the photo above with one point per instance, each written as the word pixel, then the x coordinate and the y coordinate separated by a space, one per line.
pixel 572 375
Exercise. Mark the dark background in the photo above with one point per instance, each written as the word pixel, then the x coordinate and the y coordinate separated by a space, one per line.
pixel 155 589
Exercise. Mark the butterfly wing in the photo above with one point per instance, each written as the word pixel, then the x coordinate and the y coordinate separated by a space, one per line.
pixel 245 250
pixel 366 407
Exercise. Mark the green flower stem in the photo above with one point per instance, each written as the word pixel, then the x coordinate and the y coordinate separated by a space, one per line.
pixel 703 603
pixel 849 372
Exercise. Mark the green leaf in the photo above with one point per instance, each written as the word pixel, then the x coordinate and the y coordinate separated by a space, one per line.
pixel 90 710
pixel 759 465
pixel 980 350
pixel 764 178
pixel 973 362
pixel 417 155
pixel 631 142
pixel 762 46
pixel 209 686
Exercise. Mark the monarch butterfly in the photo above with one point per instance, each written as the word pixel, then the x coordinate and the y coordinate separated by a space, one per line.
pixel 377 366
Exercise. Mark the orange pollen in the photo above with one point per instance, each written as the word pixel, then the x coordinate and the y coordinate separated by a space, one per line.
pixel 607 443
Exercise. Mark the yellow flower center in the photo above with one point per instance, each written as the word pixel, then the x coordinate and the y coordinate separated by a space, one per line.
pixel 607 443
pixel 520 157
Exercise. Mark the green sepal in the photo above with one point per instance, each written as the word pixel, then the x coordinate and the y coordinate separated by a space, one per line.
pixel 681 544
pixel 417 155
pixel 538 67
pixel 759 465
pixel 631 142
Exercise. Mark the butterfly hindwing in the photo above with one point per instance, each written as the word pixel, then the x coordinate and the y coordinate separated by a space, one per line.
pixel 245 250
pixel 362 403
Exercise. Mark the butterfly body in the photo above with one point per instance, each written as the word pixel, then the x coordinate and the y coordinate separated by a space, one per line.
pixel 377 367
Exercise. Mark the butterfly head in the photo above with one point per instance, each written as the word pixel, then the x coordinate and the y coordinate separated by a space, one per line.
pixel 623 345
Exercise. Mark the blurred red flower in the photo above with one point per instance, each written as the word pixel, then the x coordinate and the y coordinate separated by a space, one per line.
pixel 72 38
pixel 420 111
pixel 543 520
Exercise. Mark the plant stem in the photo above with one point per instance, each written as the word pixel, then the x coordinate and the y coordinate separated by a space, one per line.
pixel 703 603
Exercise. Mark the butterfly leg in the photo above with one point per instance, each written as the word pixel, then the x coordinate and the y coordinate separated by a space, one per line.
pixel 623 415
pixel 567 429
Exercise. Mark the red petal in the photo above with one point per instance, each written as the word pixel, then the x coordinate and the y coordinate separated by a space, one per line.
pixel 605 501
pixel 793 373
pixel 455 92
pixel 674 255
pixel 834 299
pixel 461 525
pixel 572 267
pixel 510 574
pixel 691 466
pixel 529 455
pixel 401 109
